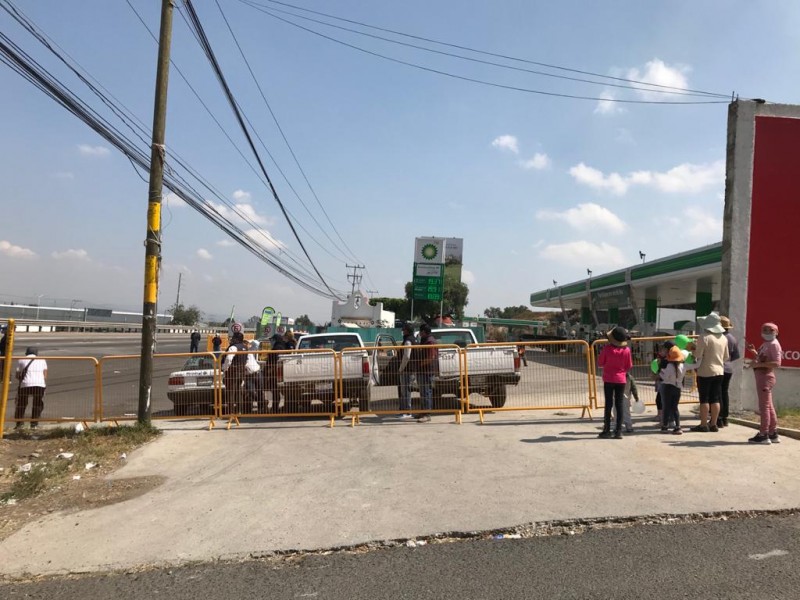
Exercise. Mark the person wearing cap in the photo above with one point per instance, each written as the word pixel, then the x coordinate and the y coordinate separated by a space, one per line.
pixel 671 385
pixel 733 352
pixel 32 376
pixel 710 354
pixel 767 359
pixel 615 359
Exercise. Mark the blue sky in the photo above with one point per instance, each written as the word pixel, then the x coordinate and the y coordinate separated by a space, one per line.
pixel 540 188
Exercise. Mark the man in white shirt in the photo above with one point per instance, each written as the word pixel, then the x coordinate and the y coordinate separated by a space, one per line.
pixel 32 377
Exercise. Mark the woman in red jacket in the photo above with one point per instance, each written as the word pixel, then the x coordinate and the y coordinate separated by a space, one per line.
pixel 615 360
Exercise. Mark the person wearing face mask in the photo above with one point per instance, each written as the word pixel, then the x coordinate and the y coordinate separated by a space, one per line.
pixel 768 358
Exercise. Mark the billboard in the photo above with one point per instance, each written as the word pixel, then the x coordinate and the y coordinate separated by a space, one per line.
pixel 773 288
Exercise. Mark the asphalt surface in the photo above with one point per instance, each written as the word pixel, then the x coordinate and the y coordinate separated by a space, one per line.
pixel 734 559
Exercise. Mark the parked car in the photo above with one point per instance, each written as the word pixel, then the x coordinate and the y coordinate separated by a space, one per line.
pixel 191 390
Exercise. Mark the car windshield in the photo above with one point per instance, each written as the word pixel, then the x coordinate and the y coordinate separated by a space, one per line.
pixel 198 363
pixel 459 338
pixel 333 342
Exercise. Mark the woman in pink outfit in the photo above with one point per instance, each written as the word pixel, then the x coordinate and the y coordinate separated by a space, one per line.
pixel 768 358
pixel 615 360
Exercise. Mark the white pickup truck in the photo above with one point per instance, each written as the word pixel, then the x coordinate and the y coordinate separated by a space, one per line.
pixel 489 368
pixel 304 377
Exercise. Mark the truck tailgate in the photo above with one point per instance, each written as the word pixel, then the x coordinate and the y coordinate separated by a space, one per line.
pixel 490 360
pixel 308 367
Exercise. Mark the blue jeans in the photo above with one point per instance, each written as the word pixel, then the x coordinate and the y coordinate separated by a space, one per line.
pixel 425 381
pixel 405 391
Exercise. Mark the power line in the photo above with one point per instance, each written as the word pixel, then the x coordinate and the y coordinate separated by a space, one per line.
pixel 482 81
pixel 286 141
pixel 254 4
pixel 206 46
pixel 638 85
pixel 27 67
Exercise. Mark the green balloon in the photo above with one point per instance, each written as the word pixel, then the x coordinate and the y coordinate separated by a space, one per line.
pixel 654 366
pixel 681 341
pixel 690 359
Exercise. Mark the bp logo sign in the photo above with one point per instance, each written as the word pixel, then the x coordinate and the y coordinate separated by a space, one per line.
pixel 429 252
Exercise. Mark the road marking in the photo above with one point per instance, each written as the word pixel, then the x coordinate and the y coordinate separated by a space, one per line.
pixel 768 554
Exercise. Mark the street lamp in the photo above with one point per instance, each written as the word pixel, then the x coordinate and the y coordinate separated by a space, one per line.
pixel 38 298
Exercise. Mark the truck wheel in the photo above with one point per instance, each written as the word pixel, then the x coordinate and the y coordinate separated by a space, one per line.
pixel 497 396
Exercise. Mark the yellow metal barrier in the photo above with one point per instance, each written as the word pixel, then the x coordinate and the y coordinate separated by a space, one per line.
pixel 70 391
pixel 370 383
pixel 183 384
pixel 643 351
pixel 527 376
pixel 289 383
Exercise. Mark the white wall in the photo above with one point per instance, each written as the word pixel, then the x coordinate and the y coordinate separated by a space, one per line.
pixel 785 395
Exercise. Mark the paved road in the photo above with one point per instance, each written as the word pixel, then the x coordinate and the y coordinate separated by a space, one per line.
pixel 734 559
pixel 70 380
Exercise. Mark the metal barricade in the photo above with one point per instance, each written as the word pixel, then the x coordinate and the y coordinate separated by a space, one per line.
pixel 183 384
pixel 518 376
pixel 288 383
pixel 70 395
pixel 370 382
pixel 643 352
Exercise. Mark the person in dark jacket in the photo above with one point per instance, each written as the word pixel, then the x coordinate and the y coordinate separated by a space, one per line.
pixel 426 370
pixel 270 371
pixel 233 368
pixel 194 344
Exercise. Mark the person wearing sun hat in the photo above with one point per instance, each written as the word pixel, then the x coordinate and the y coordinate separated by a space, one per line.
pixel 671 385
pixel 615 360
pixel 710 354
pixel 733 351
pixel 768 358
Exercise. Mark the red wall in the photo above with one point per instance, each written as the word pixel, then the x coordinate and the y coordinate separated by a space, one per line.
pixel 773 290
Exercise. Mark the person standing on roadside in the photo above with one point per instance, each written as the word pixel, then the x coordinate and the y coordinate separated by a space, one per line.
pixel 32 376
pixel 615 359
pixel 404 371
pixel 3 329
pixel 194 341
pixel 234 372
pixel 216 343
pixel 768 358
pixel 427 368
pixel 710 354
pixel 671 385
pixel 733 352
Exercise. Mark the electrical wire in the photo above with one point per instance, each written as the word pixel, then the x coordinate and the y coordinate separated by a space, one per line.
pixel 637 86
pixel 482 81
pixel 22 63
pixel 288 145
pixel 206 46
pixel 254 4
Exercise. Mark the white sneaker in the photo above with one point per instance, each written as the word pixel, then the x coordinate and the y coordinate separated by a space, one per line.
pixel 406 417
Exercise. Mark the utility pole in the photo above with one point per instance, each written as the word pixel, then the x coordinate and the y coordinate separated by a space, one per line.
pixel 372 293
pixel 355 278
pixel 178 299
pixel 152 259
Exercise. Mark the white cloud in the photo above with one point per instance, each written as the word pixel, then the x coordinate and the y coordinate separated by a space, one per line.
pixel 241 214
pixel 204 254
pixel 658 72
pixel 87 150
pixel 586 217
pixel 701 226
pixel 686 178
pixel 226 243
pixel 506 142
pixel 71 254
pixel 594 178
pixel 607 105
pixel 264 238
pixel 13 251
pixel 241 196
pixel 467 277
pixel 539 162
pixel 584 254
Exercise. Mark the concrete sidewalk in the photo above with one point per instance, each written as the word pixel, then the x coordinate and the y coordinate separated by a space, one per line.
pixel 299 485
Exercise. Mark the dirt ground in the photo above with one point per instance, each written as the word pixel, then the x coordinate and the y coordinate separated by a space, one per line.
pixel 62 484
